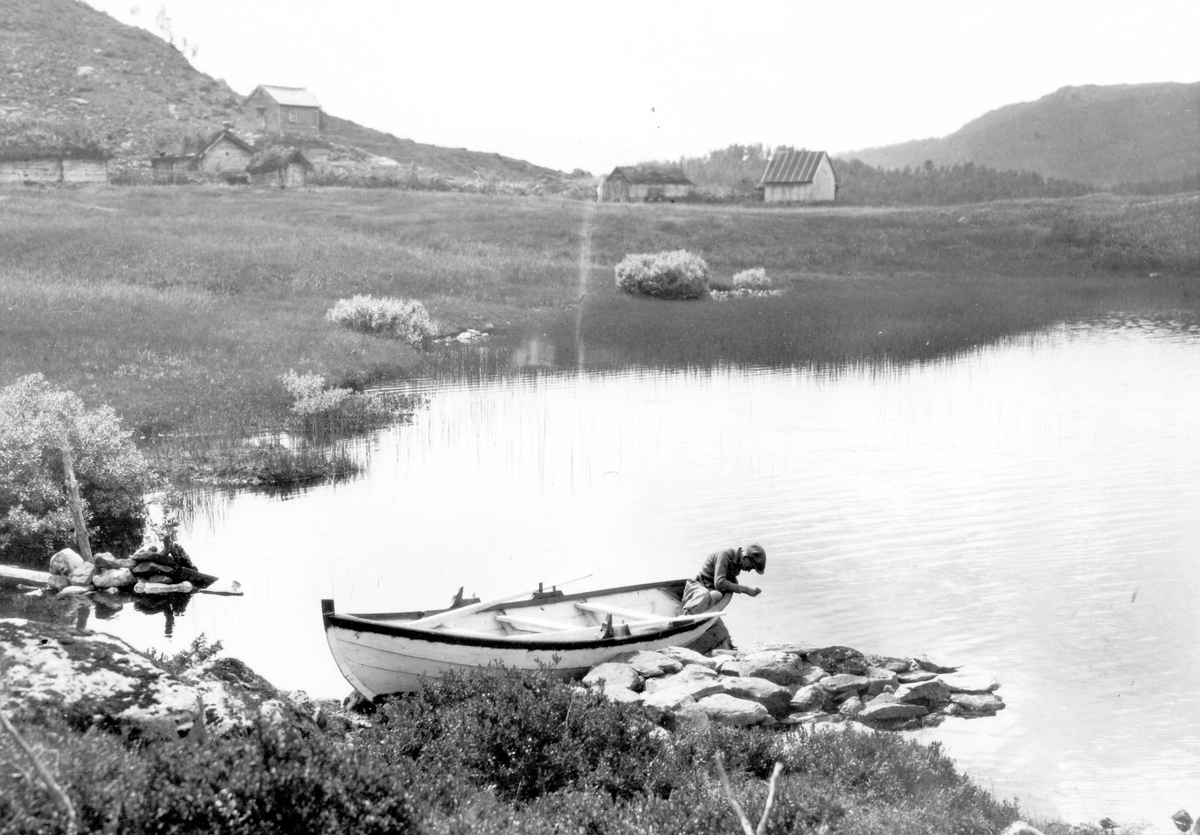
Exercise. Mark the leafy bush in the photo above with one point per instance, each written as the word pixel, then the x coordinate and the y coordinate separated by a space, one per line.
pixel 113 475
pixel 525 735
pixel 664 275
pixel 403 319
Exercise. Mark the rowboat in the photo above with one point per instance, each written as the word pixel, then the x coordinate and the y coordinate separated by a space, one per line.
pixel 564 634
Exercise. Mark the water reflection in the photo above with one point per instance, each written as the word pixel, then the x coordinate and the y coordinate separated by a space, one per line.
pixel 1029 509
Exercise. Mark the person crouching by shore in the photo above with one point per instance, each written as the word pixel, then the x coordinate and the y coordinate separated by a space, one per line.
pixel 718 577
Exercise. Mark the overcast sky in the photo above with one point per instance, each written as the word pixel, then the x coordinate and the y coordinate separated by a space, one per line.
pixel 591 85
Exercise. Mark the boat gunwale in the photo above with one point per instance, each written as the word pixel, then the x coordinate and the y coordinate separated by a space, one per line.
pixel 359 623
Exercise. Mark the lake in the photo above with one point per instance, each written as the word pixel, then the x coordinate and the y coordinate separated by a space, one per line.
pixel 1030 510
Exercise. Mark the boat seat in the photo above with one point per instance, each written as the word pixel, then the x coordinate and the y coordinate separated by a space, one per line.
pixel 628 614
pixel 535 624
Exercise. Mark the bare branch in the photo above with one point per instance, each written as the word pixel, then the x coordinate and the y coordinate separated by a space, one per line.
pixel 44 773
pixel 762 824
pixel 746 827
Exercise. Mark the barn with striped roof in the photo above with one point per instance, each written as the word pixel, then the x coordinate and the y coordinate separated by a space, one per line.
pixel 799 177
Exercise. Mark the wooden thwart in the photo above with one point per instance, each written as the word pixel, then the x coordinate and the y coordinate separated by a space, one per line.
pixel 534 624
pixel 452 615
pixel 628 614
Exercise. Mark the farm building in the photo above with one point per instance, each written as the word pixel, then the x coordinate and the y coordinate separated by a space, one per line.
pixel 223 155
pixel 38 154
pixel 634 183
pixel 282 167
pixel 285 109
pixel 799 177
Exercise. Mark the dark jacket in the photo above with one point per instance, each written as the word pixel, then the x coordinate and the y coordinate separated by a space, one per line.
pixel 720 571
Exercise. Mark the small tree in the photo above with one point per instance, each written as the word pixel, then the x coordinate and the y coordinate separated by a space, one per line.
pixel 113 476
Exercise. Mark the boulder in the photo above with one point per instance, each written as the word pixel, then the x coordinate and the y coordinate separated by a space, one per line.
pixel 91 679
pixel 883 674
pixel 649 663
pixel 690 714
pixel 661 706
pixel 930 692
pixel 235 697
pixel 978 702
pixel 851 707
pixel 838 660
pixel 620 695
pixel 801 648
pixel 811 674
pixel 729 666
pixel 730 710
pixel 916 675
pixel 773 665
pixel 844 682
pixel 968 683
pixel 924 662
pixel 64 562
pixel 58 582
pixel 614 676
pixel 887 662
pixel 687 657
pixel 107 561
pixel 776 698
pixel 67 591
pixel 879 710
pixel 114 578
pixel 812 697
pixel 82 574
pixel 697 682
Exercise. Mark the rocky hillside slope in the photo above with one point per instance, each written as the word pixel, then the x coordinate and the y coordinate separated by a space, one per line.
pixel 1126 133
pixel 63 62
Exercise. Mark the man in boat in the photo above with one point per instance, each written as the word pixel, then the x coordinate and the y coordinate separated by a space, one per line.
pixel 718 577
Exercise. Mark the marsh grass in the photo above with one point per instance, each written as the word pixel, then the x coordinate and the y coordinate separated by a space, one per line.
pixel 183 307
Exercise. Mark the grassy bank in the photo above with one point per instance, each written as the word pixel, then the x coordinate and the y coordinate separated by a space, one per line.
pixel 184 307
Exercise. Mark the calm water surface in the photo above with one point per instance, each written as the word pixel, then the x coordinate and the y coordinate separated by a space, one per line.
pixel 1029 510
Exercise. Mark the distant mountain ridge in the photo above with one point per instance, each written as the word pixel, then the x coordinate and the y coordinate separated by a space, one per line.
pixel 1102 135
pixel 62 61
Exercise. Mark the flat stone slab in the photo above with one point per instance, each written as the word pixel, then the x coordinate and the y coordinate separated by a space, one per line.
pixel 844 683
pixel 729 710
pixel 649 663
pixel 614 675
pixel 968 682
pixel 978 702
pixel 891 710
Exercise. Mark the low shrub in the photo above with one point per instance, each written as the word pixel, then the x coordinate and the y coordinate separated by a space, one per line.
pixel 321 409
pixel 403 319
pixel 664 275
pixel 753 280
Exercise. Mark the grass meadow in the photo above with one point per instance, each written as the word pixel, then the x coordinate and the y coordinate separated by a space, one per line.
pixel 184 307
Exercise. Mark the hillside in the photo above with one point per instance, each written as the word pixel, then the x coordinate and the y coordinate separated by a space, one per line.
pixel 63 62
pixel 1100 135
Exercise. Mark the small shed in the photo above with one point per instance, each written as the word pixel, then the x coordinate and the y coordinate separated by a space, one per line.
pixel 223 155
pixel 799 177
pixel 285 109
pixel 38 154
pixel 648 183
pixel 280 167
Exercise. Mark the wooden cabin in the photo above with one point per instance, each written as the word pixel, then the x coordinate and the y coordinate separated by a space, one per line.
pixel 799 177
pixel 645 183
pixel 285 109
pixel 223 156
pixel 279 167
pixel 39 154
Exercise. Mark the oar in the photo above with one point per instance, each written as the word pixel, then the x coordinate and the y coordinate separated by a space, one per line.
pixel 456 614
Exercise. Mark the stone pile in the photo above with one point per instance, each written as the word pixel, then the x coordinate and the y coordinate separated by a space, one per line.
pixel 150 570
pixel 794 684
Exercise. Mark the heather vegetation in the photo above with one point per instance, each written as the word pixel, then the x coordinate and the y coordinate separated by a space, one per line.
pixel 497 752
pixel 663 275
pixel 403 319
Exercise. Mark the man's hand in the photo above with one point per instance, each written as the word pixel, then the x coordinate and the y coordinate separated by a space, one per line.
pixel 753 592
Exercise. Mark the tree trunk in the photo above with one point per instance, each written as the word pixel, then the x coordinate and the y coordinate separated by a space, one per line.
pixel 81 534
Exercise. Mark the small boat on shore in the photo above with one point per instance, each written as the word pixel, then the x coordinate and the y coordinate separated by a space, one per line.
pixel 566 634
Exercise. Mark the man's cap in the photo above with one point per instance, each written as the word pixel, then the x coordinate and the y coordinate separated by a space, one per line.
pixel 757 557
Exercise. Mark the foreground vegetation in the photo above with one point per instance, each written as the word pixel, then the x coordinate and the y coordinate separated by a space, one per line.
pixel 497 752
